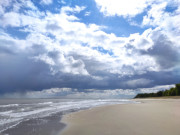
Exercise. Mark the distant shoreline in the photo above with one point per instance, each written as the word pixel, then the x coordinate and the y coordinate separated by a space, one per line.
pixel 163 97
pixel 175 91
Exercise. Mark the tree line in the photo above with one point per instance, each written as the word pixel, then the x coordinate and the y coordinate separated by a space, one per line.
pixel 171 92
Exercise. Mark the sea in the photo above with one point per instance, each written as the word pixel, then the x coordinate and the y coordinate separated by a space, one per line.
pixel 43 116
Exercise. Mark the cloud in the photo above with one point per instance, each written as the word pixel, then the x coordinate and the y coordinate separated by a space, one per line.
pixel 46 2
pixel 73 93
pixel 159 16
pixel 155 89
pixel 128 8
pixel 101 94
pixel 164 51
pixel 76 9
pixel 154 14
pixel 86 93
pixel 11 19
pixel 3 5
pixel 87 13
pixel 59 51
pixel 138 82
pixel 165 47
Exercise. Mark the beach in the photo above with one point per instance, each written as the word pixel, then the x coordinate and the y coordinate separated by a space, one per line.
pixel 150 117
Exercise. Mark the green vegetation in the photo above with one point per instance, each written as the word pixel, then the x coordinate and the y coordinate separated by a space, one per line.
pixel 171 92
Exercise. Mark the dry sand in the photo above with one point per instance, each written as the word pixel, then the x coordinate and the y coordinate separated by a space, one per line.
pixel 152 117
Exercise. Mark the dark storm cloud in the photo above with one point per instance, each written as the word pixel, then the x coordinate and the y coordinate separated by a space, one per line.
pixel 19 72
pixel 164 51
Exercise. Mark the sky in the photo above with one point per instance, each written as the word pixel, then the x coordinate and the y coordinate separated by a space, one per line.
pixel 88 48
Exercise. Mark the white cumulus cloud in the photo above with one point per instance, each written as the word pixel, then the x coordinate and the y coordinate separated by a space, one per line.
pixel 46 2
pixel 122 7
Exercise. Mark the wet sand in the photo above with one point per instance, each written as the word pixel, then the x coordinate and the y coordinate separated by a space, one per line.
pixel 151 117
pixel 50 125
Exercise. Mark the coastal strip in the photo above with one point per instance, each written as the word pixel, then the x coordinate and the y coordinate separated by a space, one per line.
pixel 151 117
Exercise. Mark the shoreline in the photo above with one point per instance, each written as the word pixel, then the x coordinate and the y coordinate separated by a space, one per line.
pixel 67 124
pixel 152 116
pixel 43 116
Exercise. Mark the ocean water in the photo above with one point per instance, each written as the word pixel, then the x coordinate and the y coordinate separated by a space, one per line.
pixel 42 116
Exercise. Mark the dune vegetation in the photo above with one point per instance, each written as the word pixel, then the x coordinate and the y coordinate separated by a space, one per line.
pixel 171 92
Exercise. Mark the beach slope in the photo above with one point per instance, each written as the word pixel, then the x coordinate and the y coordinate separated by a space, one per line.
pixel 151 117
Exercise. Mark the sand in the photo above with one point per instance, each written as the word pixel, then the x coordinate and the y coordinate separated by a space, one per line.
pixel 152 117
